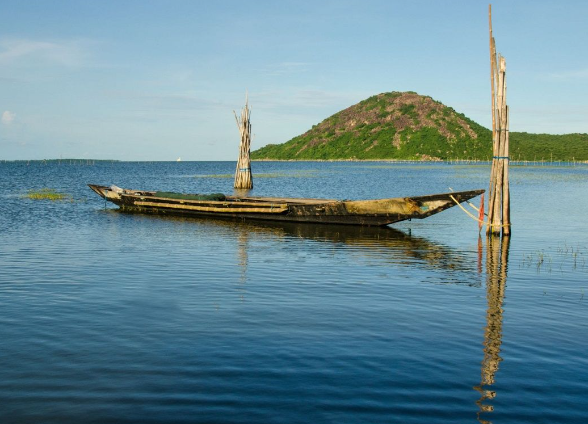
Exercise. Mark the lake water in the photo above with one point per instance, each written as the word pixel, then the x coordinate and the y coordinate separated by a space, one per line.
pixel 108 317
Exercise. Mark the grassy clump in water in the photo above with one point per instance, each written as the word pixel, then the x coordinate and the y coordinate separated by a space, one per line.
pixel 574 257
pixel 47 194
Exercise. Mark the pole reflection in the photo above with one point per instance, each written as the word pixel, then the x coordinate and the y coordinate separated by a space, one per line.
pixel 496 270
pixel 243 246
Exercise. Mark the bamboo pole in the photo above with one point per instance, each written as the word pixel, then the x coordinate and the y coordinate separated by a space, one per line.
pixel 492 59
pixel 243 178
pixel 506 190
pixel 493 82
pixel 499 190
pixel 494 215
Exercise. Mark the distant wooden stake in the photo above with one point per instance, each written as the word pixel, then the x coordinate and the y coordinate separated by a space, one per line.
pixel 499 190
pixel 243 178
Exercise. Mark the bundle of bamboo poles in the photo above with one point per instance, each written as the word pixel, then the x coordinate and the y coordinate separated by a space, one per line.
pixel 499 194
pixel 243 179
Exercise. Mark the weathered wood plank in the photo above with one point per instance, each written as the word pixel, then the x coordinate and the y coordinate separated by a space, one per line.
pixel 212 202
pixel 301 201
pixel 279 209
pixel 382 207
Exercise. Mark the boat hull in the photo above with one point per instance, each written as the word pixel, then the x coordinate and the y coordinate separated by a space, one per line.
pixel 379 212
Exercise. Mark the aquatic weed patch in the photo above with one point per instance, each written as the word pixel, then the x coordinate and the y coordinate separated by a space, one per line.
pixel 560 258
pixel 47 194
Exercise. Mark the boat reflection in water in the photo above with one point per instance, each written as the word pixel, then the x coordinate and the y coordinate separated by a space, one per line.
pixel 382 243
pixel 496 272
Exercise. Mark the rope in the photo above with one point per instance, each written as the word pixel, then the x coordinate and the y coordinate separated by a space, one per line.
pixel 474 207
pixel 501 157
pixel 473 217
pixel 244 169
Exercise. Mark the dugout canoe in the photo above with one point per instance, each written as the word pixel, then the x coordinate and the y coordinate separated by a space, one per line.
pixel 379 212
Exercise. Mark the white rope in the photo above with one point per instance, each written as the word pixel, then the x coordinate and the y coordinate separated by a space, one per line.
pixel 473 217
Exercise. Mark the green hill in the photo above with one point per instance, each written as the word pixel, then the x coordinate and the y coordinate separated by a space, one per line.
pixel 410 126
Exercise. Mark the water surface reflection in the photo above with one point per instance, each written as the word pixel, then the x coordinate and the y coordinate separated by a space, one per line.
pixel 382 243
pixel 496 273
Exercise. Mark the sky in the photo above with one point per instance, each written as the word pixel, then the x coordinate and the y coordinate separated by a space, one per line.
pixel 157 80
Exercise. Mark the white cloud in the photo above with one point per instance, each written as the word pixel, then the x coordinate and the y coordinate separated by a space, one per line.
pixel 569 75
pixel 305 99
pixel 64 52
pixel 7 117
pixel 285 68
pixel 169 101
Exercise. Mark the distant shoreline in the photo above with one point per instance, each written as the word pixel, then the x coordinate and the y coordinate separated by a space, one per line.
pixel 450 161
pixel 469 161
pixel 352 160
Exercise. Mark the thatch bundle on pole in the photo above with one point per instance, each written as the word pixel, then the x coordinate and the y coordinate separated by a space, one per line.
pixel 243 173
pixel 499 194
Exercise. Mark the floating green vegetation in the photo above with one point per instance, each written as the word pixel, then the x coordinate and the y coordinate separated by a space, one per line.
pixel 47 194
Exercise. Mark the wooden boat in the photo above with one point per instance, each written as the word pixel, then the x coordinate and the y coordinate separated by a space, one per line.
pixel 378 212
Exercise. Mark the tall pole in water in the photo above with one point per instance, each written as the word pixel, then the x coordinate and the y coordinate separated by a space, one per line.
pixel 499 190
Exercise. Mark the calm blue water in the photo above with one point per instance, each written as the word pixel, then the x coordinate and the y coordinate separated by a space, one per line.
pixel 115 318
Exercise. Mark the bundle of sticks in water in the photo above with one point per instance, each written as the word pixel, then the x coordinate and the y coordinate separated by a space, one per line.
pixel 243 173
pixel 499 193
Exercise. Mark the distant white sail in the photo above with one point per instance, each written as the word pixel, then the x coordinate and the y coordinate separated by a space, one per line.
pixel 179 159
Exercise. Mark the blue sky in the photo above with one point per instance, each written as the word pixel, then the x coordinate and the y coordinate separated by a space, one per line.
pixel 157 80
